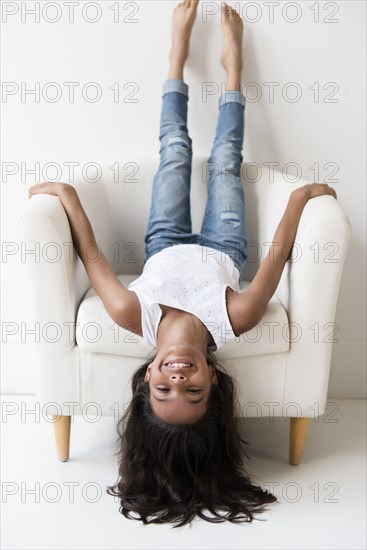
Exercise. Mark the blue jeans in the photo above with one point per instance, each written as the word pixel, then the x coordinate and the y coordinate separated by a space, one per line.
pixel 169 222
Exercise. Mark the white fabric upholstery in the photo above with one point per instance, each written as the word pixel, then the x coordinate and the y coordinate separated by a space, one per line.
pixel 282 365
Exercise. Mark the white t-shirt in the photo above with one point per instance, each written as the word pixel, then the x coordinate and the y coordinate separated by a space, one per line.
pixel 192 278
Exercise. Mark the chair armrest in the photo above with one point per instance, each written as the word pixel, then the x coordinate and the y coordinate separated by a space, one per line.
pixel 310 281
pixel 57 278
pixel 309 290
pixel 309 285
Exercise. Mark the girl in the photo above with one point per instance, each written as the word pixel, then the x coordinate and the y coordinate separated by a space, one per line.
pixel 180 449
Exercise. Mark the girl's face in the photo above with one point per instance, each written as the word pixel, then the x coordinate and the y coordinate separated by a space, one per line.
pixel 180 381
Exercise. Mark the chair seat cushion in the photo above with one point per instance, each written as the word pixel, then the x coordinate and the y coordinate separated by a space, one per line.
pixel 97 332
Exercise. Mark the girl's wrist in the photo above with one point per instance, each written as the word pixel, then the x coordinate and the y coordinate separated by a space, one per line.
pixel 301 195
pixel 67 192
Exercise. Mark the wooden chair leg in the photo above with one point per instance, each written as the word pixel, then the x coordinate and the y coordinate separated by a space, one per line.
pixel 62 426
pixel 298 434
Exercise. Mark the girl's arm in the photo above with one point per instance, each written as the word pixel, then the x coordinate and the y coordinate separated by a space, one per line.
pixel 115 297
pixel 247 308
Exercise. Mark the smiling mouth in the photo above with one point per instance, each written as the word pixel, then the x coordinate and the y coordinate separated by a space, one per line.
pixel 178 364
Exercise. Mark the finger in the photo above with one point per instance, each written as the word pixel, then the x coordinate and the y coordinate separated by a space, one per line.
pixel 330 190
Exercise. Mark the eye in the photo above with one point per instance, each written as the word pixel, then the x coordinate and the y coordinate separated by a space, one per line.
pixel 194 391
pixel 162 389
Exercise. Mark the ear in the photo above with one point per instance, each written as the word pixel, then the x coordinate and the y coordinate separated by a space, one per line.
pixel 147 374
pixel 213 375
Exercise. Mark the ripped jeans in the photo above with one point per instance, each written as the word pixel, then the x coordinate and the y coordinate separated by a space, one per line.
pixel 169 222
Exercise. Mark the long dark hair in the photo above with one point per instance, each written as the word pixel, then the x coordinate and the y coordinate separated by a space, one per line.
pixel 169 473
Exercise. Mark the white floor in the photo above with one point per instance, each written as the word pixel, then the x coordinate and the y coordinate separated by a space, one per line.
pixel 322 501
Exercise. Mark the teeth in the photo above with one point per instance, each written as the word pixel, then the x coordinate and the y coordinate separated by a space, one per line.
pixel 179 364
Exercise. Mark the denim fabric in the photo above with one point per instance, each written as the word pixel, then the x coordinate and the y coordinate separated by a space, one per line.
pixel 169 222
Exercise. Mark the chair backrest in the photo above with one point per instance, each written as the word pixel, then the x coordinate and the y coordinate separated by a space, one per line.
pixel 118 208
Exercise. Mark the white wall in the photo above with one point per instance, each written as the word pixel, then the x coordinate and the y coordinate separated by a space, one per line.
pixel 311 132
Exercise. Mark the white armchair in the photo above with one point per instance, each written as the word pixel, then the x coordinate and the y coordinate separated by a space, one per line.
pixel 84 361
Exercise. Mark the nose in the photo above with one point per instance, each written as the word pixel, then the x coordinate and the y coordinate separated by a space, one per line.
pixel 178 377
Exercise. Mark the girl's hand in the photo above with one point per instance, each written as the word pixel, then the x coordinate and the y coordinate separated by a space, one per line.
pixel 311 190
pixel 50 188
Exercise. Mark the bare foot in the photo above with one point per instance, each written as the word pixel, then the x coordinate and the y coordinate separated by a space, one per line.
pixel 183 19
pixel 232 28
